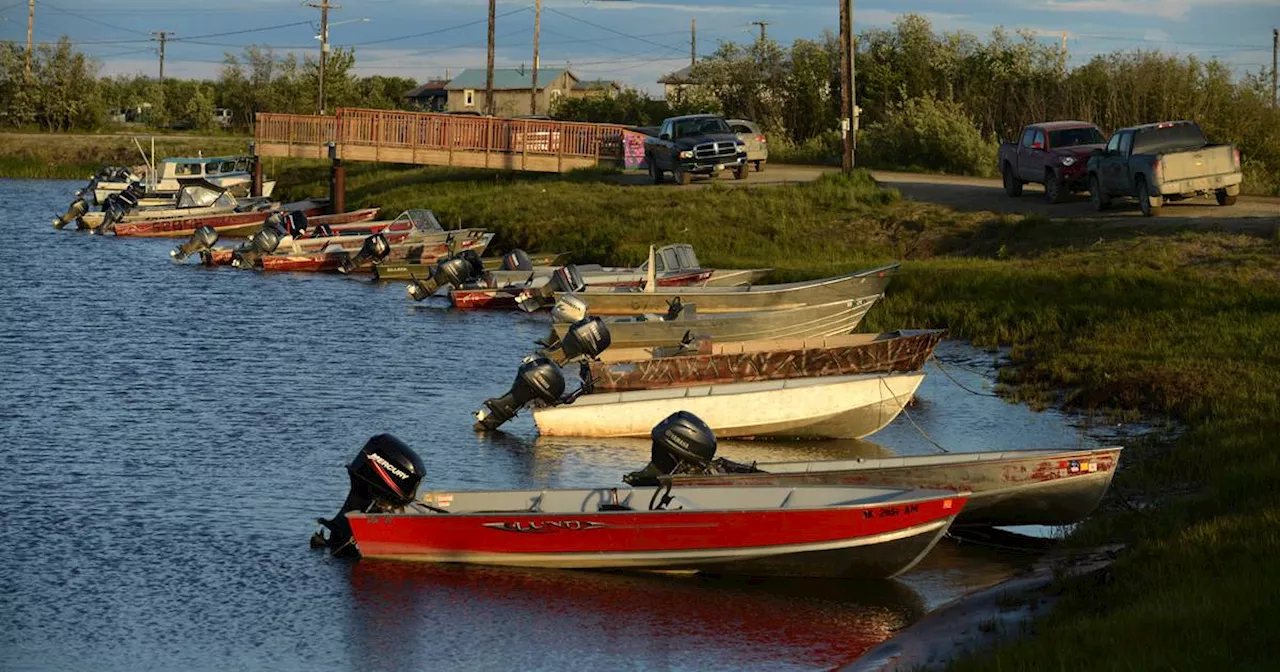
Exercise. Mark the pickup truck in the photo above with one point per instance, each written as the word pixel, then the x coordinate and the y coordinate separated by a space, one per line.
pixel 1052 153
pixel 695 144
pixel 1166 161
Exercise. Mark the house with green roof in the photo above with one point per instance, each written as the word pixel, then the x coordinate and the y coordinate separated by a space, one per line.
pixel 512 89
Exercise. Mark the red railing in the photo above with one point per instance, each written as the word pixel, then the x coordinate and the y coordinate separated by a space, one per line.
pixel 428 131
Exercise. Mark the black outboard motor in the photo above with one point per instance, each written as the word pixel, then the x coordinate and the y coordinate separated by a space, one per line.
pixel 118 205
pixel 587 337
pixel 536 380
pixel 201 239
pixel 565 279
pixel 321 231
pixel 384 477
pixel 76 210
pixel 455 271
pixel 295 223
pixel 375 248
pixel 682 443
pixel 517 260
pixel 264 242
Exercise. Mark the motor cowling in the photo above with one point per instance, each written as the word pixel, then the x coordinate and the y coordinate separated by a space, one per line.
pixel 537 379
pixel 455 271
pixel 375 248
pixel 201 239
pixel 517 260
pixel 569 308
pixel 587 338
pixel 74 211
pixel 117 206
pixel 321 231
pixel 682 443
pixel 567 279
pixel 264 242
pixel 295 223
pixel 384 476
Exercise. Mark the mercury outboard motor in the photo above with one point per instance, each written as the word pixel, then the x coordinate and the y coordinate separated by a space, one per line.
pixel 375 248
pixel 517 260
pixel 118 205
pixel 536 380
pixel 201 239
pixel 682 443
pixel 455 271
pixel 74 211
pixel 587 338
pixel 384 477
pixel 295 223
pixel 264 242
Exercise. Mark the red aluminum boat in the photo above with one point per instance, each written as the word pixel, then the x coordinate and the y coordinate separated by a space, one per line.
pixel 505 297
pixel 839 531
pixel 410 248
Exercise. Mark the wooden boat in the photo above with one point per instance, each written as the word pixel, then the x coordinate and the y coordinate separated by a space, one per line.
pixel 237 224
pixel 505 295
pixel 1015 487
pixel 828 319
pixel 860 284
pixel 829 407
pixel 421 248
pixel 847 532
pixel 710 362
pixel 403 271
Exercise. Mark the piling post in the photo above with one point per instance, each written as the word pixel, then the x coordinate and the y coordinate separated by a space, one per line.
pixel 256 189
pixel 337 182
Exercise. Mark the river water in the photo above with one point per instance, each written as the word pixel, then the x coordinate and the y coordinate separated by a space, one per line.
pixel 171 432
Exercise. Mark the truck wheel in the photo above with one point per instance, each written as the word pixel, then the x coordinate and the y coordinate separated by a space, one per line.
pixel 1101 201
pixel 759 165
pixel 654 171
pixel 1052 188
pixel 740 173
pixel 679 176
pixel 1224 198
pixel 1012 185
pixel 1144 200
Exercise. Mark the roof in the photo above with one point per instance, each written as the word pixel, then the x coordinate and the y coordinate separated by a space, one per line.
pixel 1060 125
pixel 596 84
pixel 682 76
pixel 435 85
pixel 505 79
pixel 693 116
pixel 1157 124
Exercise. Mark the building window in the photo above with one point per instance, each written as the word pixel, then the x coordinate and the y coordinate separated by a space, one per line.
pixel 469 97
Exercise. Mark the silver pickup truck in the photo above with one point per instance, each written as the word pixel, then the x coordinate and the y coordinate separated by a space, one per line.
pixel 1168 161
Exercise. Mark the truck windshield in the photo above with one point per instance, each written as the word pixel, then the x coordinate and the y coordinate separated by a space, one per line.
pixel 700 126
pixel 1072 137
pixel 1169 139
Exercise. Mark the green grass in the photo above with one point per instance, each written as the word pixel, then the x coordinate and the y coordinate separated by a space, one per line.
pixel 1119 319
pixel 76 157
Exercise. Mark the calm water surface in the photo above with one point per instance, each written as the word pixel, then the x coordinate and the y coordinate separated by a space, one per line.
pixel 170 433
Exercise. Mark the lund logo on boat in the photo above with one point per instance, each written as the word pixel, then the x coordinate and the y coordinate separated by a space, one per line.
pixel 546 527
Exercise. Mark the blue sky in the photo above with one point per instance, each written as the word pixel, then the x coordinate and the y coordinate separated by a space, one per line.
pixel 632 41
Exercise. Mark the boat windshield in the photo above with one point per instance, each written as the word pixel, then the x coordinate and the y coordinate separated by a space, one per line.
pixel 422 219
pixel 196 196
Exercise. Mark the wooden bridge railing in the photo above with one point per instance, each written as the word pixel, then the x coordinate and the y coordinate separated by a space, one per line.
pixel 429 138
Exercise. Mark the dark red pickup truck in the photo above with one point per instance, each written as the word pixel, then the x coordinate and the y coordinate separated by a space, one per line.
pixel 1053 153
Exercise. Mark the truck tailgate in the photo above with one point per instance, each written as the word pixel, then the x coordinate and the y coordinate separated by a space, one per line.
pixel 1208 160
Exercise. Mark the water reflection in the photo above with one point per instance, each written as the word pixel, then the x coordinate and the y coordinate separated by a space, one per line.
pixel 578 620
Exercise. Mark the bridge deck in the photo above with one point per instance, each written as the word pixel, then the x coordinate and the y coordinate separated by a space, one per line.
pixel 440 140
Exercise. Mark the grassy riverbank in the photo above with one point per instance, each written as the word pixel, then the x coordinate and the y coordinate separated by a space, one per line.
pixel 77 156
pixel 1134 320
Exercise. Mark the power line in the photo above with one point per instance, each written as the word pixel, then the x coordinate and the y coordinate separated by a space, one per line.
pixel 438 30
pixel 94 21
pixel 616 32
pixel 242 32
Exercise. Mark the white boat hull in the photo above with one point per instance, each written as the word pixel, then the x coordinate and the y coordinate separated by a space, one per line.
pixel 832 407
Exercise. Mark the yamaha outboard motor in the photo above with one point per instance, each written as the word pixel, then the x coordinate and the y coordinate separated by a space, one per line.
pixel 375 248
pixel 264 242
pixel 682 443
pixel 384 477
pixel 455 271
pixel 536 380
pixel 517 260
pixel 201 239
pixel 76 210
pixel 587 337
pixel 565 279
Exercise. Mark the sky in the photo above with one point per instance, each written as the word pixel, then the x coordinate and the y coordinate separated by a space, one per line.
pixel 630 41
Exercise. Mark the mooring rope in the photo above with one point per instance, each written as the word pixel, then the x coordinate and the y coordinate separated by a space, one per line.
pixel 903 410
pixel 958 383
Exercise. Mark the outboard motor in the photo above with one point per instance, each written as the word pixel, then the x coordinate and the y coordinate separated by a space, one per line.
pixel 517 260
pixel 118 205
pixel 569 308
pixel 455 271
pixel 321 231
pixel 74 211
pixel 384 477
pixel 682 443
pixel 375 248
pixel 536 380
pixel 587 337
pixel 264 242
pixel 201 239
pixel 295 223
pixel 565 279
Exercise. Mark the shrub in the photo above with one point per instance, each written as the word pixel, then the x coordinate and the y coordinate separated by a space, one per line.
pixel 929 134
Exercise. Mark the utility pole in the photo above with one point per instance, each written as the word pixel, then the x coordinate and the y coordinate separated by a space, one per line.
pixel 31 24
pixel 1275 49
pixel 847 103
pixel 488 76
pixel 693 42
pixel 324 8
pixel 1064 51
pixel 537 22
pixel 162 36
pixel 762 25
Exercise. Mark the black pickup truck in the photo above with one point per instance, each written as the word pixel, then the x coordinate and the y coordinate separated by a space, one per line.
pixel 1161 162
pixel 700 144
